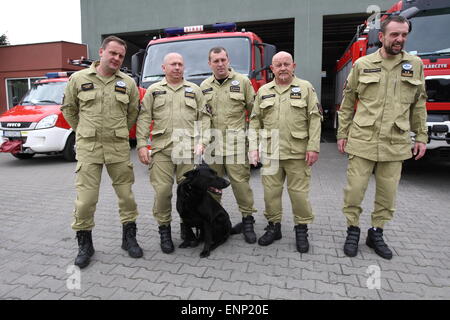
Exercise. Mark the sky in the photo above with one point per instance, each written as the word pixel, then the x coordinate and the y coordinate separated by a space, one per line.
pixel 33 21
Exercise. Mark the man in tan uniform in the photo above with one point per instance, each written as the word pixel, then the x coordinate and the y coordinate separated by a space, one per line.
pixel 228 95
pixel 289 114
pixel 389 89
pixel 101 105
pixel 177 108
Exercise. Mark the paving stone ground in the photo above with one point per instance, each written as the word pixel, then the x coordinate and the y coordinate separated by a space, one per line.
pixel 37 245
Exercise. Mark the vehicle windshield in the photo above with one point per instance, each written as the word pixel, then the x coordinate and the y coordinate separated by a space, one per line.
pixel 195 54
pixel 438 90
pixel 45 93
pixel 429 33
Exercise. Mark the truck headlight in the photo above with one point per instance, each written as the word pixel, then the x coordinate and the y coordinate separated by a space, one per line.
pixel 47 122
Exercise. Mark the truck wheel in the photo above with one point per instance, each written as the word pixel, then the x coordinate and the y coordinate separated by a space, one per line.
pixel 23 156
pixel 69 152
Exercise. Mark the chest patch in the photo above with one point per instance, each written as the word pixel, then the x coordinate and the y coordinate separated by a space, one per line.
pixel 372 70
pixel 296 93
pixel 158 93
pixel 207 90
pixel 87 86
pixel 268 96
pixel 235 89
pixel 120 89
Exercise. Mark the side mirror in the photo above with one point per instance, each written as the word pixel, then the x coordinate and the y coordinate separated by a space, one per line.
pixel 269 51
pixel 136 64
pixel 15 101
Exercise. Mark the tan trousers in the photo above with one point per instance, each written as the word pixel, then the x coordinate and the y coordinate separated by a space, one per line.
pixel 387 177
pixel 88 184
pixel 239 175
pixel 298 175
pixel 162 171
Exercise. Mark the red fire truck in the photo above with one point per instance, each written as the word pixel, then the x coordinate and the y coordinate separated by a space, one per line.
pixel 248 54
pixel 37 125
pixel 429 40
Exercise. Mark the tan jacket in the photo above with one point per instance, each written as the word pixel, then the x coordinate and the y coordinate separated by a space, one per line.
pixel 390 104
pixel 294 111
pixel 227 103
pixel 174 111
pixel 101 114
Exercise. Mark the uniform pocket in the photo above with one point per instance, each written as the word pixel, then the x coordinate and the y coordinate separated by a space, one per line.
pixel 190 112
pixel 268 113
pixel 120 108
pixel 298 121
pixel 408 90
pixel 87 101
pixel 85 139
pixel 368 86
pixel 401 131
pixel 158 141
pixel 121 143
pixel 299 141
pixel 362 128
pixel 158 110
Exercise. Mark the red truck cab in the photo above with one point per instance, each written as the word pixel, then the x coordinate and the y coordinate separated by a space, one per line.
pixel 36 124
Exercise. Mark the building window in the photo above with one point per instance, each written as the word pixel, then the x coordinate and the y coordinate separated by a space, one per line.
pixel 16 89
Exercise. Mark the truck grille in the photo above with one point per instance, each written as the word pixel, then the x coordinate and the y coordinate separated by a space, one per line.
pixel 15 125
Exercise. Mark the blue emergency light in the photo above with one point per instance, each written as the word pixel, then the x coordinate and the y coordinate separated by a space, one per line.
pixel 52 75
pixel 227 26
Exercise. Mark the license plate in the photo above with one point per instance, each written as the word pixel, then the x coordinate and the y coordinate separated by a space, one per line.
pixel 12 134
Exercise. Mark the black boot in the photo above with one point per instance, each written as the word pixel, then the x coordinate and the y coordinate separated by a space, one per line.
pixel 129 242
pixel 375 241
pixel 273 232
pixel 301 238
pixel 166 239
pixel 249 233
pixel 352 240
pixel 85 248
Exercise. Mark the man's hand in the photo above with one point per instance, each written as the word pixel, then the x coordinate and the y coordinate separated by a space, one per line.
pixel 253 157
pixel 144 155
pixel 419 150
pixel 199 149
pixel 311 157
pixel 341 143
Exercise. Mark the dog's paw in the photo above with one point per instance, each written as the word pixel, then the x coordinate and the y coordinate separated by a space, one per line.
pixel 204 254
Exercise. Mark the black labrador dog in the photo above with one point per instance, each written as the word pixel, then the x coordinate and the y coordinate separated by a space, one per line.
pixel 198 209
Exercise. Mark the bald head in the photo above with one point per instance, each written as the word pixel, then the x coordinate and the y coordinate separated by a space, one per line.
pixel 173 67
pixel 282 55
pixel 171 56
pixel 283 67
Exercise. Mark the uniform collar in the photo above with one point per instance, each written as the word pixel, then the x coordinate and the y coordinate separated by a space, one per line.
pixel 93 70
pixel 182 84
pixel 376 56
pixel 295 83
pixel 231 75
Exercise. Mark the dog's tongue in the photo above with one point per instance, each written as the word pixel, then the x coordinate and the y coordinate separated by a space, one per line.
pixel 215 190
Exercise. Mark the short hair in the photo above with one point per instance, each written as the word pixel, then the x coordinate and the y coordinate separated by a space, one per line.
pixel 111 39
pixel 216 50
pixel 390 19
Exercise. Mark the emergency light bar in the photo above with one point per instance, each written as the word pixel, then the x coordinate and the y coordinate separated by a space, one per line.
pixel 52 75
pixel 228 26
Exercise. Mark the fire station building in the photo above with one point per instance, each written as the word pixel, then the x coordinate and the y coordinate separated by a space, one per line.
pixel 20 65
pixel 316 32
